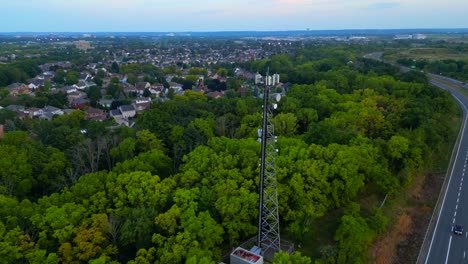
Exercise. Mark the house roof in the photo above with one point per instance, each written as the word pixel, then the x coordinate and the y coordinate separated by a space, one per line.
pixel 51 109
pixel 106 101
pixel 79 101
pixel 115 112
pixel 127 108
pixel 13 85
pixel 92 110
pixel 47 115
pixel 141 85
pixel 15 107
pixel 33 109
pixel 215 94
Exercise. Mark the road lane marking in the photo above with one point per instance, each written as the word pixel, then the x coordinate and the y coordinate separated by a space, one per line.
pixel 453 222
pixel 464 253
pixel 456 207
pixel 458 194
pixel 448 250
pixel 458 199
pixel 455 214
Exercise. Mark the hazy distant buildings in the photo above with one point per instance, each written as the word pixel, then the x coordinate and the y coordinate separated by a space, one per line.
pixel 409 36
pixel 419 36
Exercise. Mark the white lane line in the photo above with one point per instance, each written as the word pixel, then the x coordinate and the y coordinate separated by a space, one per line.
pixel 458 199
pixel 460 134
pixel 456 207
pixel 448 250
pixel 458 194
pixel 453 222
pixel 455 214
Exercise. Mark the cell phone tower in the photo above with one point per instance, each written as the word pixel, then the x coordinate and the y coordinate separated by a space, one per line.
pixel 268 237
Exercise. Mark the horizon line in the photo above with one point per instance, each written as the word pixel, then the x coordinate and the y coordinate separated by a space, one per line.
pixel 218 31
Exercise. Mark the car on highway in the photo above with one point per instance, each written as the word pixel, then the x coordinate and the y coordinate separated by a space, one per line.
pixel 458 230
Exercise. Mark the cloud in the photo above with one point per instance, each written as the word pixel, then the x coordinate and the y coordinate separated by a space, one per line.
pixel 384 5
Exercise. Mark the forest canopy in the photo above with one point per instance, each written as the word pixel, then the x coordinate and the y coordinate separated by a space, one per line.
pixel 182 186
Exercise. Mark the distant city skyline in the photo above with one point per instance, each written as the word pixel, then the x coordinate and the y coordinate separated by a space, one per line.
pixel 240 15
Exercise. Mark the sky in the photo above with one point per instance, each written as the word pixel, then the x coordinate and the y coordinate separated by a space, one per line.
pixel 230 15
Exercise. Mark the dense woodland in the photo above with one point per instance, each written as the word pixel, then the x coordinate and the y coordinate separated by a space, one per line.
pixel 182 186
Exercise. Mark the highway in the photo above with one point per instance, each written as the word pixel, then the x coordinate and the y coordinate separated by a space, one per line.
pixel 441 245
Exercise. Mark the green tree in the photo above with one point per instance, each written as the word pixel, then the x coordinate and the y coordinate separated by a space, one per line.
pixel 354 237
pixel 282 257
pixel 285 124
pixel 72 77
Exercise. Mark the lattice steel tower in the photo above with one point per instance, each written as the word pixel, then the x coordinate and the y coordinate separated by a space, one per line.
pixel 268 238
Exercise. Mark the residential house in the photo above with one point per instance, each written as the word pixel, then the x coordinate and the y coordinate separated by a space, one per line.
pixel 68 89
pixel 142 104
pixel 175 86
pixel 73 96
pixel 141 86
pixel 157 89
pixel 49 112
pixel 53 110
pixel 106 102
pixel 16 108
pixel 80 103
pixel 84 76
pixel 115 113
pixel 46 76
pixel 46 116
pixel 124 122
pixel 16 89
pixel 129 90
pixel 35 83
pixel 127 111
pixel 95 114
pixel 81 85
pixel 215 94
pixel 33 112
